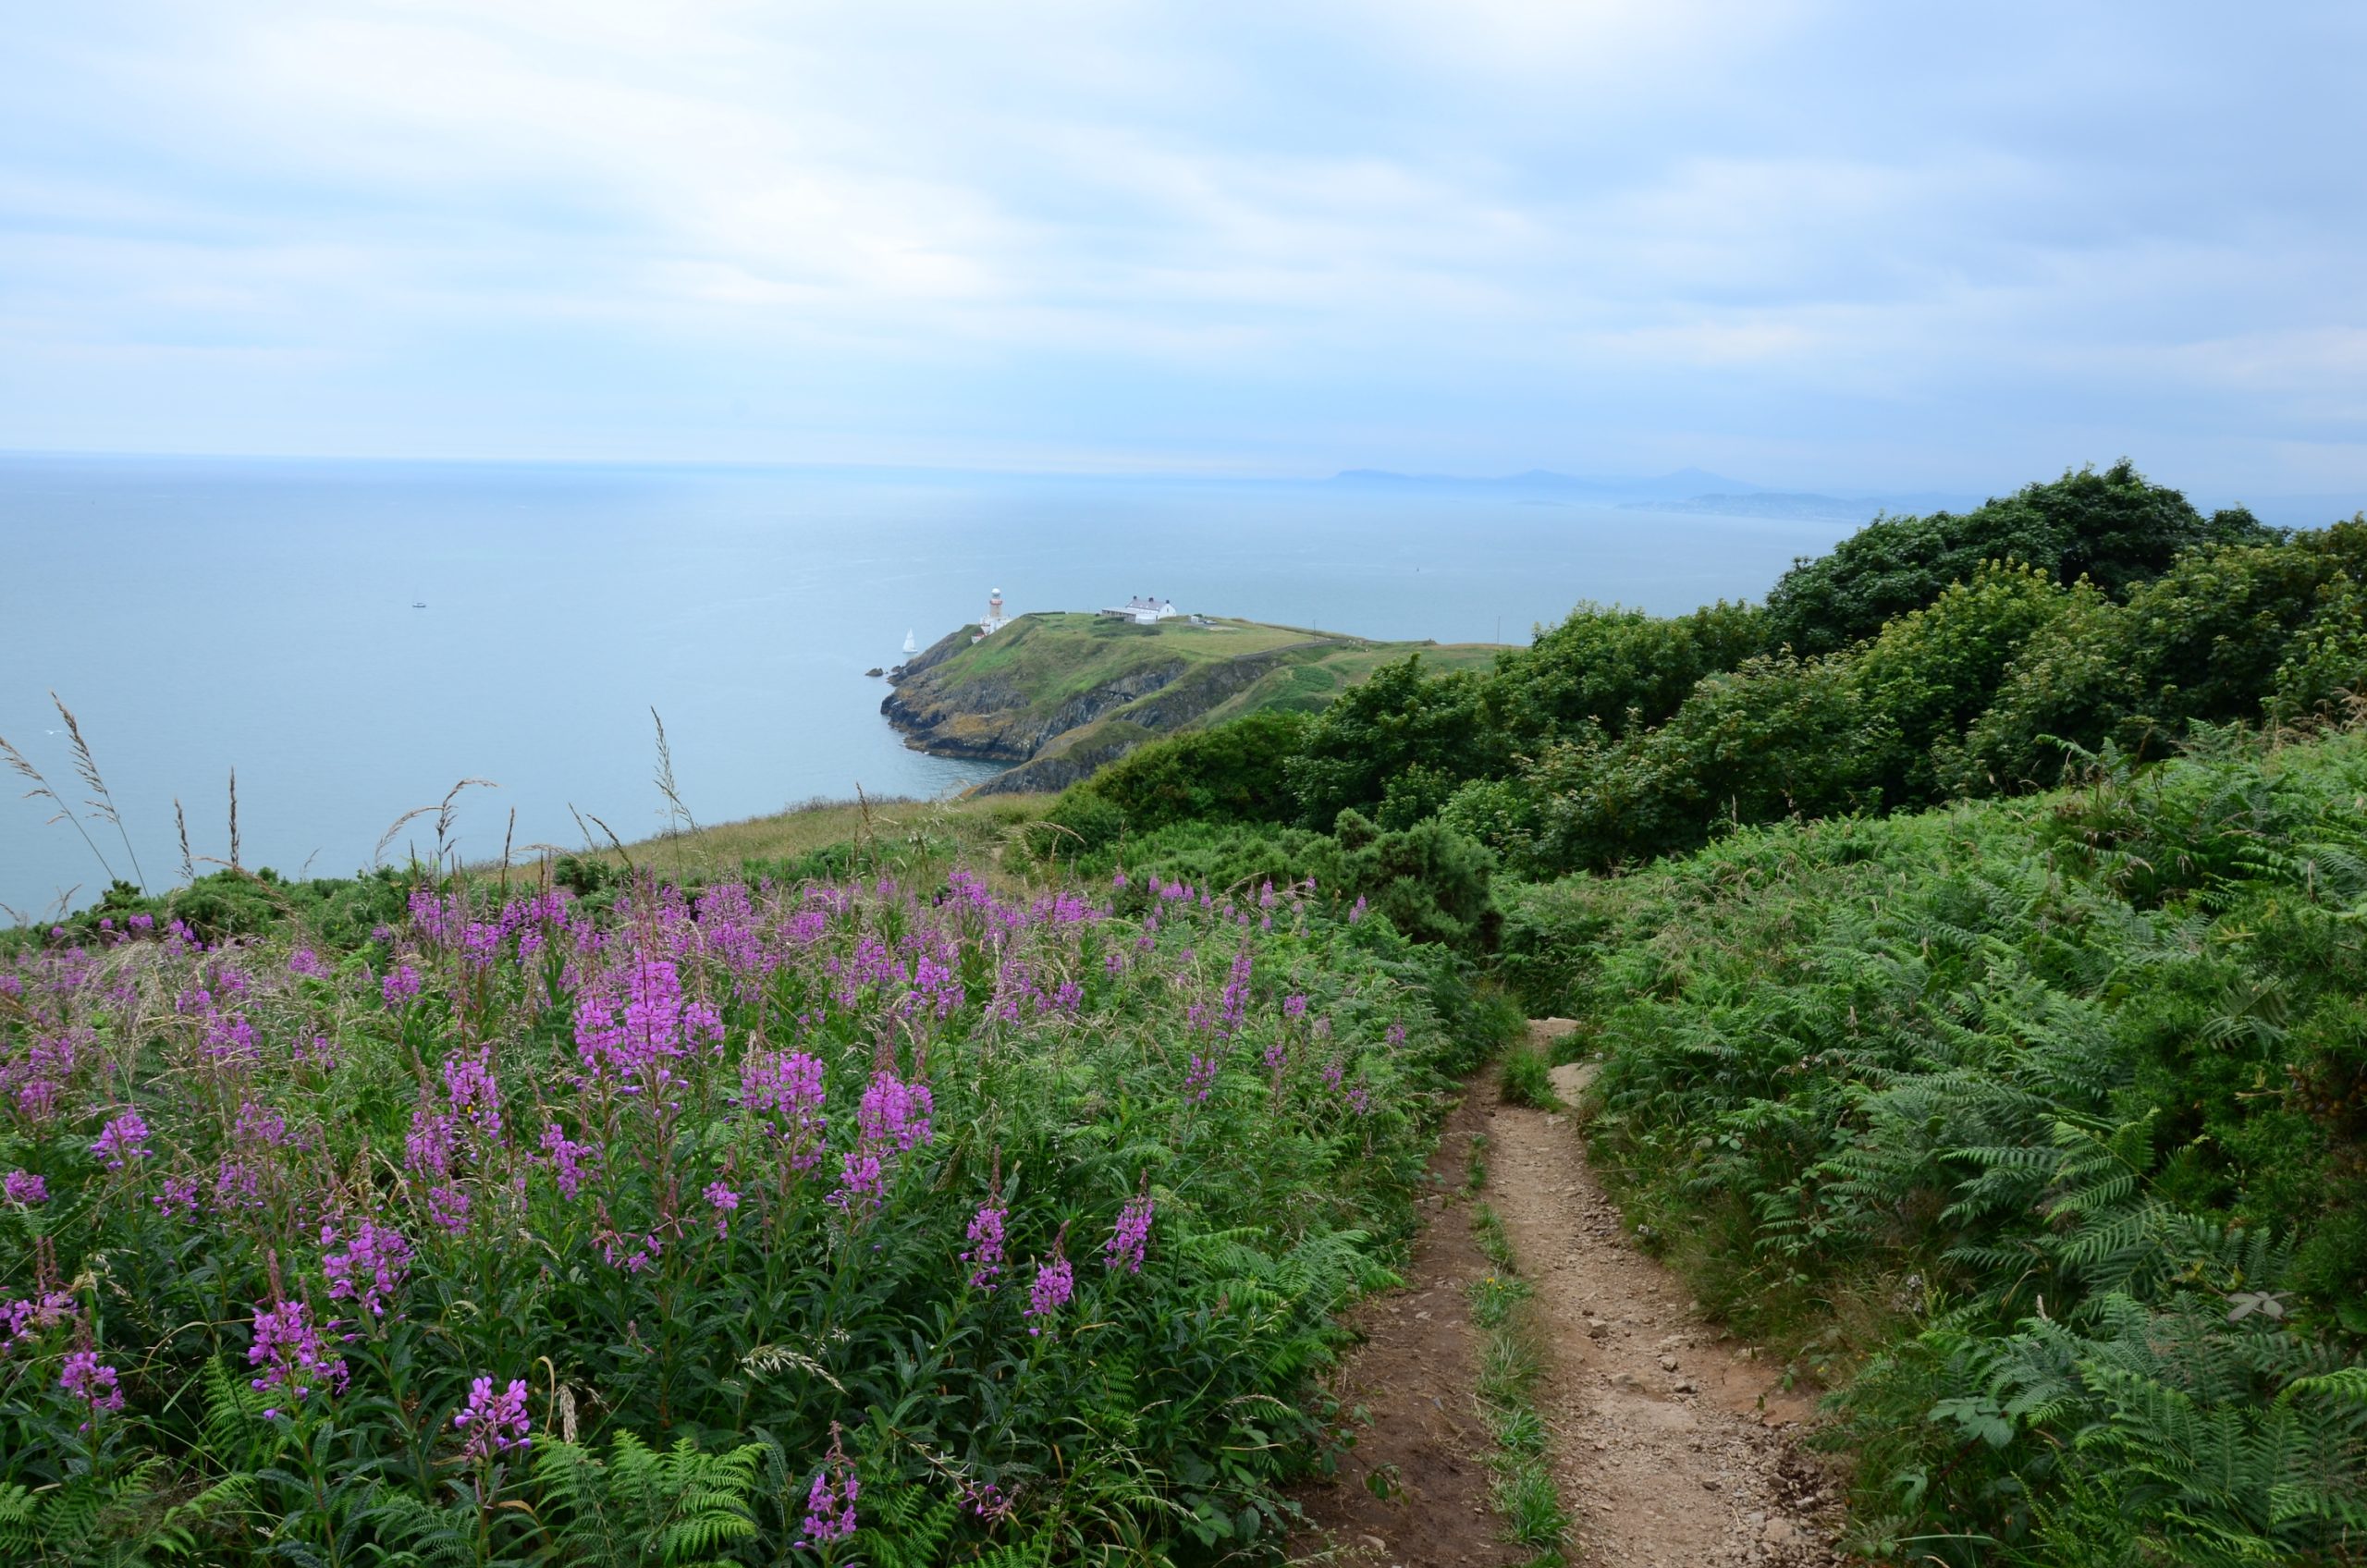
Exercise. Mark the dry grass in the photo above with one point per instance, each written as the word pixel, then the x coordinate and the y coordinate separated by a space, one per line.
pixel 972 827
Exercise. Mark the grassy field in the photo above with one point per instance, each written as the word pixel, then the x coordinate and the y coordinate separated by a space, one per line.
pixel 950 829
pixel 1057 655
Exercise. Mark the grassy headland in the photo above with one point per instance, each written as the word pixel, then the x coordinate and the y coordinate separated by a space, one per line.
pixel 1062 693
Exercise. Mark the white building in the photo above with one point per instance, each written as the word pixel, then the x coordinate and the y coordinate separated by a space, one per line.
pixel 1144 611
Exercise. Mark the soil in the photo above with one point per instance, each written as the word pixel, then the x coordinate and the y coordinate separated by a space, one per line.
pixel 1672 1443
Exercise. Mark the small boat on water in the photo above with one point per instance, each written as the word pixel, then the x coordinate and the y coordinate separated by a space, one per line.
pixel 419 604
pixel 911 646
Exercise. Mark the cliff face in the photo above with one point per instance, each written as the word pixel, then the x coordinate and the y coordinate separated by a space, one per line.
pixel 993 719
pixel 1062 695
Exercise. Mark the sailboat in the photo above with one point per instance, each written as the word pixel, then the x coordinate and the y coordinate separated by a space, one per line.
pixel 911 646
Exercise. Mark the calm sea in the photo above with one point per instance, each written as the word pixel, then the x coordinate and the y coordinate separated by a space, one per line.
pixel 202 615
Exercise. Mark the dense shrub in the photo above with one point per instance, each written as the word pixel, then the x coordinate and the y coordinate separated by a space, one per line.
pixel 1400 723
pixel 1429 883
pixel 1227 772
pixel 1023 1218
pixel 1613 670
pixel 2063 1098
pixel 2236 632
pixel 2113 528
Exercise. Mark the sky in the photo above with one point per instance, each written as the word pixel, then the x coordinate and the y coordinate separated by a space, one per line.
pixel 1810 245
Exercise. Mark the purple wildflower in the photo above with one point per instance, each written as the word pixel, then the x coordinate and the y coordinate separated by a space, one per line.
pixel 470 1089
pixel 371 1269
pixel 1131 1234
pixel 122 1139
pixel 830 1502
pixel 1055 1283
pixel 986 1245
pixel 1236 995
pixel 259 1125
pixel 1356 914
pixel 448 1208
pixel 1202 1077
pixel 567 1159
pixel 427 1151
pixel 862 1181
pixel 179 1196
pixel 723 1200
pixel 787 1085
pixel 30 1317
pixel 400 986
pixel 238 1185
pixel 895 1111
pixel 94 1385
pixel 495 1423
pixel 23 1187
pixel 229 1037
pixel 289 1350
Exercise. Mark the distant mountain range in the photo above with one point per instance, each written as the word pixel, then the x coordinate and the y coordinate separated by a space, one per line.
pixel 1686 490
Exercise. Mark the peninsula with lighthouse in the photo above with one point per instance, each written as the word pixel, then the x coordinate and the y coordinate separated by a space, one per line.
pixel 1060 694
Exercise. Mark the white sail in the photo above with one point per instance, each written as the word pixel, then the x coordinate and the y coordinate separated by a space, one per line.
pixel 911 646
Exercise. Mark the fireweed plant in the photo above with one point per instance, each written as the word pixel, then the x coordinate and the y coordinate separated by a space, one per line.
pixel 813 1223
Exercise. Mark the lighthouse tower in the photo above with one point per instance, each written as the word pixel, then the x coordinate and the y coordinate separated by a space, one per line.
pixel 995 620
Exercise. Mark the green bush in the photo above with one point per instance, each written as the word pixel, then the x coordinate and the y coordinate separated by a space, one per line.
pixel 1429 883
pixel 1398 720
pixel 2043 1118
pixel 1613 670
pixel 1230 772
pixel 2240 632
pixel 2113 528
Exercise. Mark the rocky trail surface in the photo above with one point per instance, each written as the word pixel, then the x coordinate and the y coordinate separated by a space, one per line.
pixel 1672 1443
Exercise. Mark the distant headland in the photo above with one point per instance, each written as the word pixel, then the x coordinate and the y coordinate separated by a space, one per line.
pixel 1062 693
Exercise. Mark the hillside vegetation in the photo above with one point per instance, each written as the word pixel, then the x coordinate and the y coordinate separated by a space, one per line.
pixel 2028 1122
pixel 1972 937
pixel 2036 1127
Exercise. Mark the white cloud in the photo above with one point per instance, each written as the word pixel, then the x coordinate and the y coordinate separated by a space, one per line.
pixel 1499 232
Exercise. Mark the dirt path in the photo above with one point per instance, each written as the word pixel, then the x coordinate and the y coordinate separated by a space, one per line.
pixel 1672 1445
pixel 1413 1377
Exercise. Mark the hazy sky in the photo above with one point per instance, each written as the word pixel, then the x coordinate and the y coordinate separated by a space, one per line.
pixel 1800 243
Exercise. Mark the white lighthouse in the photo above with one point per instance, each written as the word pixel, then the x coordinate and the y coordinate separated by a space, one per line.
pixel 994 620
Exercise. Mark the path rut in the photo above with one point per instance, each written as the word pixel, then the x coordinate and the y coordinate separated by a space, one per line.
pixel 1672 1444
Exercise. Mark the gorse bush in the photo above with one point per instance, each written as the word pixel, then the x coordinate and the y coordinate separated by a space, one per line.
pixel 2044 1117
pixel 758 1224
